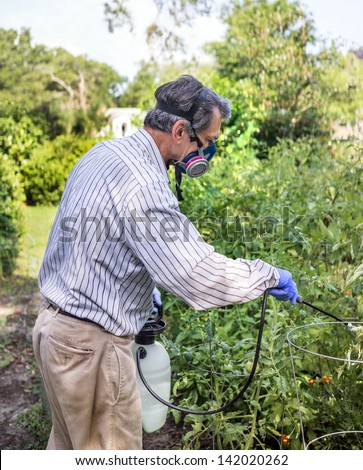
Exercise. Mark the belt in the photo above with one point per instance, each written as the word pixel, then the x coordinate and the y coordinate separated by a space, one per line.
pixel 66 314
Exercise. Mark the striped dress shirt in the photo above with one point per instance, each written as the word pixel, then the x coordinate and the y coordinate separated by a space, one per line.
pixel 119 230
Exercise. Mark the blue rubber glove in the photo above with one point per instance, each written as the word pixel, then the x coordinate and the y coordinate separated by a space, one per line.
pixel 156 299
pixel 286 288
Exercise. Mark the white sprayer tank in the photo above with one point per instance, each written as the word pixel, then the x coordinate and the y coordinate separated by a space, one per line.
pixel 157 373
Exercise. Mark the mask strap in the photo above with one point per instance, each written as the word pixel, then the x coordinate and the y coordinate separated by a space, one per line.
pixel 199 143
pixel 175 111
pixel 188 115
pixel 178 179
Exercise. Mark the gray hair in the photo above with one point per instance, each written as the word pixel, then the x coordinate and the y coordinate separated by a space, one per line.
pixel 181 94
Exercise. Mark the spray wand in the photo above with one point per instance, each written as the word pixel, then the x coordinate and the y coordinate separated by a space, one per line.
pixel 349 325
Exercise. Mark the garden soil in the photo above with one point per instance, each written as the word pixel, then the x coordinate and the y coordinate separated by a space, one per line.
pixel 19 380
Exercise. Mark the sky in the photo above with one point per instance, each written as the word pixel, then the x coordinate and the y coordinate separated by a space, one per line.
pixel 79 27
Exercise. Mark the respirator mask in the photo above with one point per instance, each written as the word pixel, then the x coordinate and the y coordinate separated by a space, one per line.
pixel 196 163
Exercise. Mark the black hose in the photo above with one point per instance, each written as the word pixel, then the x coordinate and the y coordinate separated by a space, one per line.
pixel 141 352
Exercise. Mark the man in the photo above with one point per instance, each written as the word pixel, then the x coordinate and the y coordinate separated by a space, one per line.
pixel 117 233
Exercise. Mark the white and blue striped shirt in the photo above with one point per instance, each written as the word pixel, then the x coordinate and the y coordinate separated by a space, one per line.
pixel 119 230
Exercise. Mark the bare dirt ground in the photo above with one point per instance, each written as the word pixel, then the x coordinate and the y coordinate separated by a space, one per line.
pixel 20 382
pixel 18 379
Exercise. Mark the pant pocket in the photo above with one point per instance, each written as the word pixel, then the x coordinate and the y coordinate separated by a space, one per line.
pixel 122 374
pixel 68 370
pixel 115 374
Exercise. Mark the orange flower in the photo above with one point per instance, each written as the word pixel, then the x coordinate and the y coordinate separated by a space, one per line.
pixel 285 439
pixel 311 381
pixel 326 379
pixel 348 292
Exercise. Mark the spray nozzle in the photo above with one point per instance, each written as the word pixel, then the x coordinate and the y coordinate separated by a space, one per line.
pixel 356 329
pixel 348 325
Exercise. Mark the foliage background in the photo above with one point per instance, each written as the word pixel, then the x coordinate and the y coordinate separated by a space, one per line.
pixel 282 188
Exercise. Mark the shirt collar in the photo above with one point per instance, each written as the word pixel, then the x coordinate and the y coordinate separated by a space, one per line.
pixel 149 143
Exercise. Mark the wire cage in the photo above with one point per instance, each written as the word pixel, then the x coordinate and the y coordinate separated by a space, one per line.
pixel 327 365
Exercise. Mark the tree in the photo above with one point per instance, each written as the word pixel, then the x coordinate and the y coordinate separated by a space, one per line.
pixel 81 90
pixel 266 64
pixel 59 92
pixel 164 33
pixel 21 84
pixel 344 84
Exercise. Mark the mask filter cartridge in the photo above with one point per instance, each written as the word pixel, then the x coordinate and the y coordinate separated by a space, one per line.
pixel 196 163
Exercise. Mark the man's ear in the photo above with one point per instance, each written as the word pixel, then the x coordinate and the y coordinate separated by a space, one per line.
pixel 178 130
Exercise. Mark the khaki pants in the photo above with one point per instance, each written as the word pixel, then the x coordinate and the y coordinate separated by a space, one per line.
pixel 90 380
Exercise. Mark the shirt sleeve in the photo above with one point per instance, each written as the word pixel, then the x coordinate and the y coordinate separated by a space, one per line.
pixel 175 255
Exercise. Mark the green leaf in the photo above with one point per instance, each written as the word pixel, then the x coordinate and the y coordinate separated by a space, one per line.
pixel 352 278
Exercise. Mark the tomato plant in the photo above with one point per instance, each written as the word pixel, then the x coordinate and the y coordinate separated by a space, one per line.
pixel 297 209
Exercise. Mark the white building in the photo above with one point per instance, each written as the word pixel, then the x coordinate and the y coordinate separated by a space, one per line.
pixel 348 131
pixel 121 121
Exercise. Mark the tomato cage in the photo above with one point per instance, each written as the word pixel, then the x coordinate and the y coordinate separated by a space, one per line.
pixel 327 365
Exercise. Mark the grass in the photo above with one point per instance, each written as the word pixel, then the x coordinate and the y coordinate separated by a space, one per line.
pixel 38 222
pixel 23 282
pixel 38 424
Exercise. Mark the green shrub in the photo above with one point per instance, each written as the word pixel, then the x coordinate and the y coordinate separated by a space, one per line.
pixel 45 173
pixel 11 197
pixel 19 136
